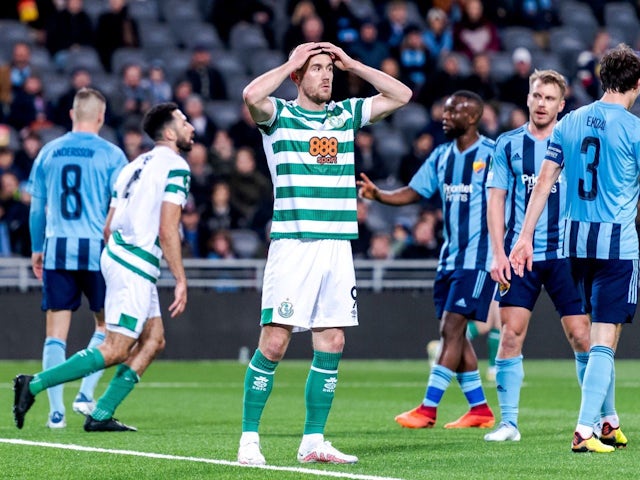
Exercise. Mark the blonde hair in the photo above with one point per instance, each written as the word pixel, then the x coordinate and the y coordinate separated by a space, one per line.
pixel 547 77
pixel 88 105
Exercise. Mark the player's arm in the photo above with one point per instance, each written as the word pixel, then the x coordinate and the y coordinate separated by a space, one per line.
pixel 522 253
pixel 256 94
pixel 500 267
pixel 393 93
pixel 172 251
pixel 399 196
pixel 37 222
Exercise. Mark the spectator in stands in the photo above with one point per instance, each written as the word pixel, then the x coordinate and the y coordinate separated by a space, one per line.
pixel 424 240
pixel 298 12
pixel 30 108
pixel 490 121
pixel 421 147
pixel 539 15
pixel 5 92
pixel 434 127
pixel 218 213
pixel 360 245
pixel 391 67
pixel 191 230
pixel 115 29
pixel 245 133
pixel 202 176
pixel 133 143
pixel 132 98
pixel 475 33
pixel 446 80
pixel 250 189
pixel 67 28
pixel 368 48
pixel 394 25
pixel 588 62
pixel 14 213
pixel 7 160
pixel 438 37
pixel 414 59
pixel 20 65
pixel 380 247
pixel 80 78
pixel 516 87
pixel 517 118
pixel 220 245
pixel 205 79
pixel 204 127
pixel 24 158
pixel 181 91
pixel 157 84
pixel 223 155
pixel 480 80
pixel 226 14
pixel 366 157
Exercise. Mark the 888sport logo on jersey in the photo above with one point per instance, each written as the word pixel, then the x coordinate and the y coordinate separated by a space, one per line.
pixel 325 149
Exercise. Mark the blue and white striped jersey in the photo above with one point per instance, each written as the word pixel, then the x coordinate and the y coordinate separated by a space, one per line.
pixel 515 167
pixel 460 179
pixel 74 175
pixel 599 147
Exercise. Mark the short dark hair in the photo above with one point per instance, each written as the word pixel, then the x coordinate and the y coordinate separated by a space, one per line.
pixel 619 69
pixel 157 118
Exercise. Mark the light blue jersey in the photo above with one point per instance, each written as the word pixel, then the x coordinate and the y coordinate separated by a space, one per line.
pixel 515 167
pixel 460 179
pixel 74 175
pixel 599 147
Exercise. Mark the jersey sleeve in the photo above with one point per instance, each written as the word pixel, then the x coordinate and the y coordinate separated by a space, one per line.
pixel 499 175
pixel 425 180
pixel 178 183
pixel 554 150
pixel 361 108
pixel 268 125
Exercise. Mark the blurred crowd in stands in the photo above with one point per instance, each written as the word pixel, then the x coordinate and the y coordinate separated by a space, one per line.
pixel 201 54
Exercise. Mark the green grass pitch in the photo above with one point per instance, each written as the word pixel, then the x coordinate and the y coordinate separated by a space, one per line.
pixel 190 412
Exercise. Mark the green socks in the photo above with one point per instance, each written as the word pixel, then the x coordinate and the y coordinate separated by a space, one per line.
pixel 77 366
pixel 320 390
pixel 120 386
pixel 258 382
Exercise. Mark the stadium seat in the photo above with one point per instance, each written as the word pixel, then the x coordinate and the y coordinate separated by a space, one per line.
pixel 14 137
pixel 621 18
pixel 197 33
pixel 154 36
pixel 94 8
pixel 391 147
pixel 224 113
pixel 501 66
pixel 84 57
pixel 235 83
pixel 262 61
pixel 125 56
pixel 565 41
pixel 109 134
pixel 549 60
pixel 180 11
pixel 410 119
pixel 584 22
pixel 515 37
pixel 106 83
pixel 245 242
pixel 245 38
pixel 569 8
pixel 41 60
pixel 144 11
pixel 363 9
pixel 51 133
pixel 176 62
pixel 55 85
pixel 228 63
pixel 12 31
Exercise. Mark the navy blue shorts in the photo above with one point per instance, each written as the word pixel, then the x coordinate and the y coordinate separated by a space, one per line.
pixel 62 289
pixel 609 288
pixel 556 277
pixel 467 292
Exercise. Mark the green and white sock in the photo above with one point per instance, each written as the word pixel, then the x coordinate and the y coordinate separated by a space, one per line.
pixel 120 386
pixel 258 383
pixel 320 390
pixel 77 366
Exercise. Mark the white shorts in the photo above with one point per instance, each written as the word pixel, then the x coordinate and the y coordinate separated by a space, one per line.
pixel 309 284
pixel 130 299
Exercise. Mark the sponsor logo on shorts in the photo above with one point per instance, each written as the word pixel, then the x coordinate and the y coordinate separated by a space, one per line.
pixel 260 384
pixel 461 303
pixel 285 310
pixel 330 385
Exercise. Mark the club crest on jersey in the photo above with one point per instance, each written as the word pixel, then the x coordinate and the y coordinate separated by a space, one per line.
pixel 324 149
pixel 479 165
pixel 503 288
pixel 285 310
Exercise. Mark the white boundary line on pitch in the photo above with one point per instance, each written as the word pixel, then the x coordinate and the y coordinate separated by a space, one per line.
pixel 161 456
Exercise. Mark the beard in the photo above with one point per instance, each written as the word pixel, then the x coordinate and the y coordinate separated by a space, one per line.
pixel 318 97
pixel 454 133
pixel 184 145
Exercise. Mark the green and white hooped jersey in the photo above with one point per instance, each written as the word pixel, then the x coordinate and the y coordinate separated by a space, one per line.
pixel 158 176
pixel 310 156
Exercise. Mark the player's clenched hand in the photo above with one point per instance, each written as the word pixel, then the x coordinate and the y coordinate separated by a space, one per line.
pixel 36 264
pixel 366 188
pixel 179 299
pixel 521 256
pixel 301 54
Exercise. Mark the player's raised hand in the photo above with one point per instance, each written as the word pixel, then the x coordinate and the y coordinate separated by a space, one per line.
pixel 339 56
pixel 366 188
pixel 301 54
pixel 521 257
